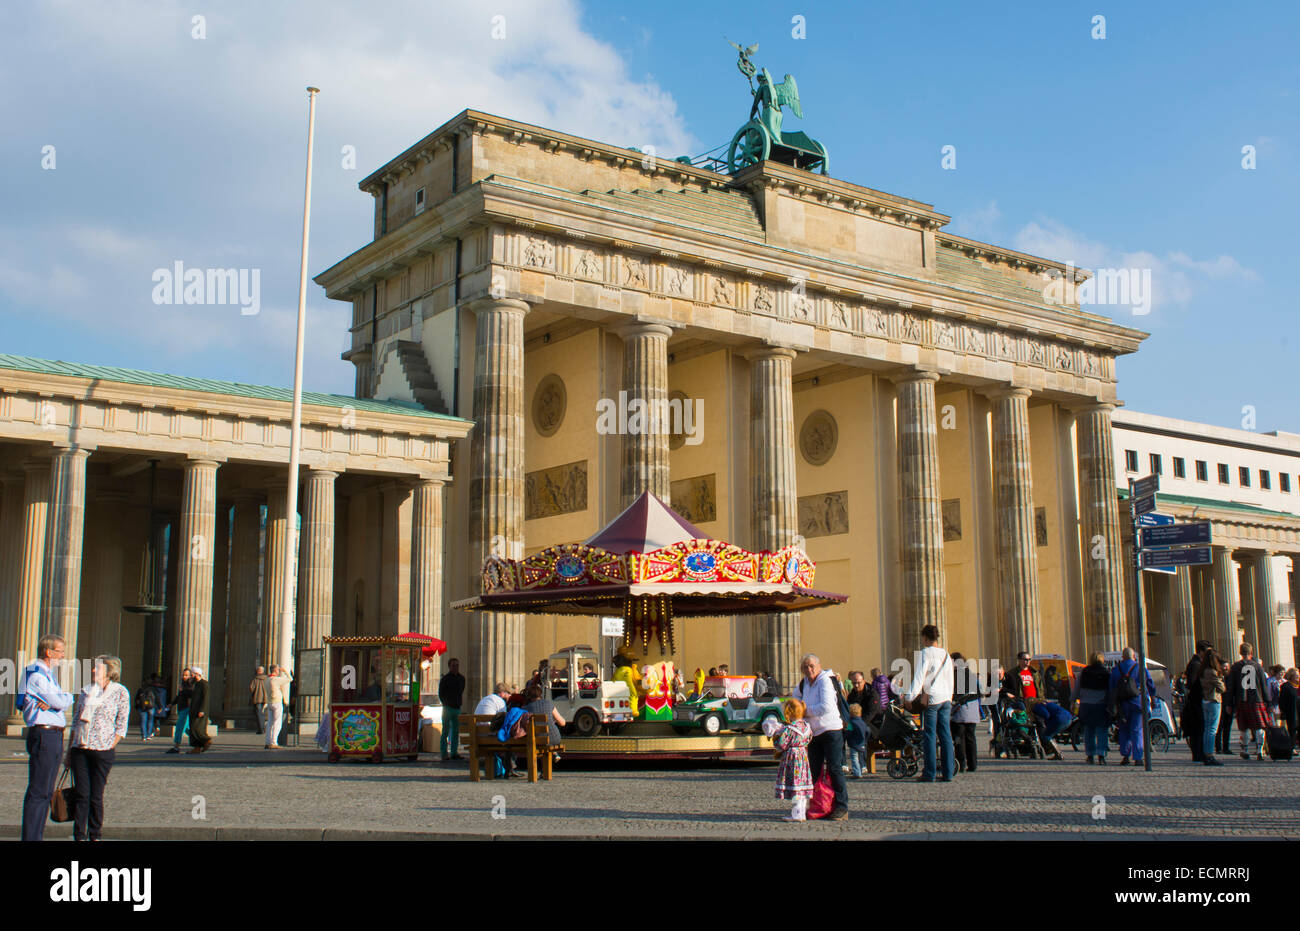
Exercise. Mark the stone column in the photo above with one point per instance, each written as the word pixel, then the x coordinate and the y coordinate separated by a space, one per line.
pixel 1183 639
pixel 1099 520
pixel 36 504
pixel 243 645
pixel 65 534
pixel 1017 551
pixel 155 624
pixel 775 508
pixel 275 563
pixel 496 489
pixel 1265 613
pixel 920 520
pixel 197 543
pixel 11 551
pixel 645 379
pixel 1246 601
pixel 426 569
pixel 316 574
pixel 1225 604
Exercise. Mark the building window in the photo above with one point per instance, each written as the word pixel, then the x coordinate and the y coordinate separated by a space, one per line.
pixel 1223 473
pixel 419 201
pixel 1180 467
pixel 1284 482
pixel 1243 476
pixel 1155 464
pixel 1265 481
pixel 1131 460
pixel 1202 470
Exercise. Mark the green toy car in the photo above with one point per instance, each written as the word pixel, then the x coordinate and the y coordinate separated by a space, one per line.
pixel 726 708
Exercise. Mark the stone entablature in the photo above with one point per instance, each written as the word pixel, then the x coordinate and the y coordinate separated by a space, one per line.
pixel 70 411
pixel 1273 533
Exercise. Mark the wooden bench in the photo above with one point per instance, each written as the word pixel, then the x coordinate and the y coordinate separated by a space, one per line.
pixel 535 745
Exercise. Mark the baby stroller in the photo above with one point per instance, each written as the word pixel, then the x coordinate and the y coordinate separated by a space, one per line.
pixel 899 733
pixel 1017 733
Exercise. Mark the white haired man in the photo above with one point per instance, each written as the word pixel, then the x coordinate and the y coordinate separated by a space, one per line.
pixel 821 694
pixel 43 703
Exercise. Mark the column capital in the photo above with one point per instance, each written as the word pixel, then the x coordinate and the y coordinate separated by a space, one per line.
pixel 770 351
pixel 196 462
pixel 427 480
pixel 64 448
pixel 500 304
pixel 1091 406
pixel 642 326
pixel 998 392
pixel 329 474
pixel 914 374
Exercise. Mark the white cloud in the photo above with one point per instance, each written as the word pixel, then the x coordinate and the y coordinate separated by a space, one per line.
pixel 1175 277
pixel 976 223
pixel 172 148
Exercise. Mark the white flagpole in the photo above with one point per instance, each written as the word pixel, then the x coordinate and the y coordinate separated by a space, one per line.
pixel 295 433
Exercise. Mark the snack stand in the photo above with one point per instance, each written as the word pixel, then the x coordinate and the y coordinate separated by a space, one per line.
pixel 374 696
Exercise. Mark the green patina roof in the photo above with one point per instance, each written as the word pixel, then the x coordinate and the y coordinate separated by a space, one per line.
pixel 211 386
pixel 1189 501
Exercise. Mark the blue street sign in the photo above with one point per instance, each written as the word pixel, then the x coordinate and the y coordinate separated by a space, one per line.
pixel 1155 519
pixel 1144 505
pixel 1176 535
pixel 1190 556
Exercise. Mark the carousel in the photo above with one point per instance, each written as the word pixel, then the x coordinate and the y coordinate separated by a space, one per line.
pixel 654 569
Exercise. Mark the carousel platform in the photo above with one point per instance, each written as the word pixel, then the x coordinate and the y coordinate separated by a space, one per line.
pixel 654 741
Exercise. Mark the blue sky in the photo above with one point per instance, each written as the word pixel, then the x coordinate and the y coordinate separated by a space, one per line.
pixel 1122 152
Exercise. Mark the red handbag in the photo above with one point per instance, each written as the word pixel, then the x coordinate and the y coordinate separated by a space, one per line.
pixel 823 797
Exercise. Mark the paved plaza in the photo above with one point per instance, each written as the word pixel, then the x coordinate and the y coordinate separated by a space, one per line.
pixel 291 794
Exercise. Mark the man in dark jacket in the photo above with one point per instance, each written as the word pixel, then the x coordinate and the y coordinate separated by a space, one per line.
pixel 1023 682
pixel 199 738
pixel 451 690
pixel 1128 708
pixel 1245 690
pixel 1193 718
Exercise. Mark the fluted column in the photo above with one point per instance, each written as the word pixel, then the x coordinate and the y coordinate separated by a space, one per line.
pixel 1225 604
pixel 31 567
pixel 497 482
pixel 1103 592
pixel 645 379
pixel 920 520
pixel 775 514
pixel 1183 638
pixel 1265 605
pixel 316 572
pixel 1246 602
pixel 426 568
pixel 275 563
pixel 197 543
pixel 243 653
pixel 65 534
pixel 1017 549
pixel 11 551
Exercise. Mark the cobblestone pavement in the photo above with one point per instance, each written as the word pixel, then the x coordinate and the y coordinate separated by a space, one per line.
pixel 251 793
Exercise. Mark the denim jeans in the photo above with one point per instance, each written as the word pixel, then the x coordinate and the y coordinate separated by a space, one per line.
pixel 827 749
pixel 450 737
pixel 182 725
pixel 1130 732
pixel 1210 711
pixel 1096 738
pixel 936 725
pixel 146 723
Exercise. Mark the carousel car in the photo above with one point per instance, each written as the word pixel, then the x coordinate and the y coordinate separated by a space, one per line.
pixel 725 707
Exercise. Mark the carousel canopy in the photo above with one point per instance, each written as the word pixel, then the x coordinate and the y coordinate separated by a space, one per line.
pixel 647 524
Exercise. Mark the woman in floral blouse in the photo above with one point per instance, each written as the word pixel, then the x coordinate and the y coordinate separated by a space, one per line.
pixel 99 721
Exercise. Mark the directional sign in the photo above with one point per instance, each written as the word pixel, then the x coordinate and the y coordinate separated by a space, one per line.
pixel 1176 534
pixel 1144 505
pixel 1145 486
pixel 1191 556
pixel 611 627
pixel 1163 570
pixel 1155 519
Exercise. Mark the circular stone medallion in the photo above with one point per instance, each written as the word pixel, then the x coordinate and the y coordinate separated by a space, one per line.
pixel 549 402
pixel 818 437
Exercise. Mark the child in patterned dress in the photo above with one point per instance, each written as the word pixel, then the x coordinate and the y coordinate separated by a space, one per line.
pixel 794 778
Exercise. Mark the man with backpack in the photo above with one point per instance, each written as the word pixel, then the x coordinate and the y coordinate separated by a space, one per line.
pixel 1126 701
pixel 1246 691
pixel 145 702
